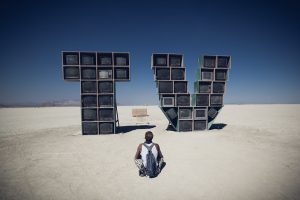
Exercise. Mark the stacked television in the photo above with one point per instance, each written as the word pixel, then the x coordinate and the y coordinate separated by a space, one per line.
pixel 184 111
pixel 97 73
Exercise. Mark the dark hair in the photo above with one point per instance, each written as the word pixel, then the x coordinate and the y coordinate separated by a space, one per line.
pixel 148 136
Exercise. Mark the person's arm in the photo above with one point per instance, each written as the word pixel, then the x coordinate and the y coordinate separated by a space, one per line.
pixel 138 152
pixel 159 151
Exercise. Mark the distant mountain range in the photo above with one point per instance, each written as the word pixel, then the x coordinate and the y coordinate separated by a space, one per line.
pixel 55 103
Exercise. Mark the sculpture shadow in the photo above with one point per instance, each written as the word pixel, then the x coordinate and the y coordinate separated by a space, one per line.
pixel 217 126
pixel 126 129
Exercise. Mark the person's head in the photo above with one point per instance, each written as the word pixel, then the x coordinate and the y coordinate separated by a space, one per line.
pixel 148 136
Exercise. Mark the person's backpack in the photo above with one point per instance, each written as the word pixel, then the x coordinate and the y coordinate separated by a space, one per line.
pixel 151 169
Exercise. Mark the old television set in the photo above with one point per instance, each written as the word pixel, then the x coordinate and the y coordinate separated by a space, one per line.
pixel 175 60
pixel 105 74
pixel 121 59
pixel 200 125
pixel 212 112
pixel 171 113
pixel 200 113
pixel 106 100
pixel 165 87
pixel 88 87
pixel 89 101
pixel 122 73
pixel 185 113
pixel 204 87
pixel 88 73
pixel 89 114
pixel 106 127
pixel 209 61
pixel 207 75
pixel 160 59
pixel 162 74
pixel 88 58
pixel 218 87
pixel 178 73
pixel 70 58
pixel 167 101
pixel 105 86
pixel 106 114
pixel 89 128
pixel 105 59
pixel 185 125
pixel 180 87
pixel 183 100
pixel 202 100
pixel 71 73
pixel 216 99
pixel 223 61
pixel 220 75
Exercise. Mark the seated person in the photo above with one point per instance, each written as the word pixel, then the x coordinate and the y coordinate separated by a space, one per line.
pixel 141 157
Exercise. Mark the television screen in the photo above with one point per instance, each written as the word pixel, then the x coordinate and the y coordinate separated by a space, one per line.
pixel 89 114
pixel 180 87
pixel 160 59
pixel 200 114
pixel 209 61
pixel 106 114
pixel 70 58
pixel 221 75
pixel 202 100
pixel 89 128
pixel 168 101
pixel 185 125
pixel 122 73
pixel 223 61
pixel 185 113
pixel 121 59
pixel 105 87
pixel 89 101
pixel 216 100
pixel 88 58
pixel 178 74
pixel 175 60
pixel 212 112
pixel 106 127
pixel 104 58
pixel 71 73
pixel 199 125
pixel 106 100
pixel 88 73
pixel 105 73
pixel 218 87
pixel 204 87
pixel 162 74
pixel 172 114
pixel 165 87
pixel 88 87
pixel 183 100
pixel 207 76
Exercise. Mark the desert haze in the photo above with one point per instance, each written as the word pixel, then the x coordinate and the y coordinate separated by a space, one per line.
pixel 256 155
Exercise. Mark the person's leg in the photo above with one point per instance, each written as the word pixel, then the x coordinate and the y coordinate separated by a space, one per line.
pixel 140 165
pixel 161 164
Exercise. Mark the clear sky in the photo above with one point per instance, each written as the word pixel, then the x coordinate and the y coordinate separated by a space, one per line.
pixel 262 37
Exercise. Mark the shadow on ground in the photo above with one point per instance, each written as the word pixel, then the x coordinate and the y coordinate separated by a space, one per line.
pixel 126 129
pixel 218 126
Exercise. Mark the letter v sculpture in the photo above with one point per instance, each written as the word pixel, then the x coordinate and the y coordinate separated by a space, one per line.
pixel 186 112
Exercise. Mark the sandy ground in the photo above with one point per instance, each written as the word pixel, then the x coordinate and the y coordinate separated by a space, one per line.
pixel 255 156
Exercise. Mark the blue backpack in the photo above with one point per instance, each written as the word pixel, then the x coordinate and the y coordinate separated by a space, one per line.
pixel 151 169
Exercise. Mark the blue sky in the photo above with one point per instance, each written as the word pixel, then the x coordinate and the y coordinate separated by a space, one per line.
pixel 262 38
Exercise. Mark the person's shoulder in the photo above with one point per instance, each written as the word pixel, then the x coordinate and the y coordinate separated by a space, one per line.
pixel 157 145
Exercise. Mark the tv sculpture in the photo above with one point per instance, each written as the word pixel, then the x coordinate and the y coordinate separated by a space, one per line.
pixel 186 112
pixel 97 73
